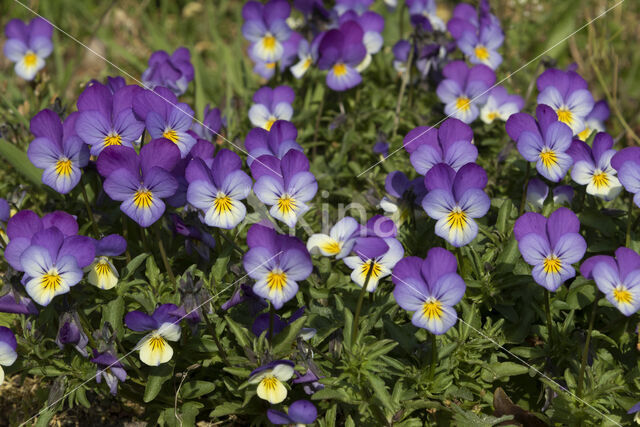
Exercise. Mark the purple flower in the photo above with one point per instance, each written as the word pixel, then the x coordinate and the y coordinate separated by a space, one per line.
pixel 341 51
pixel 465 18
pixel 451 144
pixel 107 118
pixel 482 47
pixel 211 124
pixel 464 89
pixel 163 324
pixel 545 142
pixel 627 163
pixel 102 272
pixel 57 150
pixel 262 322
pixel 109 368
pixel 537 192
pixel 173 72
pixel 285 185
pixel 566 92
pixel 270 378
pixel 218 188
pixel 402 195
pixel 141 181
pixel 563 195
pixel 500 105
pixel 382 148
pixel 430 287
pixel 455 199
pixel 244 293
pixel 617 278
pixel 28 45
pixel 270 105
pixel 301 412
pixel 165 118
pixel 276 142
pixel 551 245
pixel 401 51
pixel 8 346
pixel 197 239
pixel 594 122
pixel 307 56
pixel 635 409
pixel 592 167
pixel 53 263
pixel 5 212
pixel 310 381
pixel 427 9
pixel 372 25
pixel 266 28
pixel 338 242
pixel 71 332
pixel 12 302
pixel 357 6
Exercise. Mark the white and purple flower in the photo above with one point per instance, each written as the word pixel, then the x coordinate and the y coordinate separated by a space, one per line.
pixel 28 45
pixel 164 325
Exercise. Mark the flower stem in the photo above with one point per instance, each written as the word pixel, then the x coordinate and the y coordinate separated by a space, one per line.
pixel 403 86
pixel 460 262
pixel 547 309
pixel 89 211
pixel 627 241
pixel 272 318
pixel 214 334
pixel 363 291
pixel 125 234
pixel 585 351
pixel 226 238
pixel 523 201
pixel 434 352
pixel 163 254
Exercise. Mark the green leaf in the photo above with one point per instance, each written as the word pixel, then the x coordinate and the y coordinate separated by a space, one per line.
pixel 282 342
pixel 199 95
pixel 381 392
pixel 114 313
pixel 227 408
pixel 219 268
pixel 152 272
pixel 499 370
pixel 133 265
pixel 240 332
pixel 331 393
pixel 194 389
pixel 158 376
pixel 20 162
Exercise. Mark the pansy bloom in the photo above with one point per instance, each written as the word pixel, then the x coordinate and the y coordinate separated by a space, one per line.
pixel 464 89
pixel 28 45
pixel 57 150
pixel 276 142
pixel 211 124
pixel 617 278
pixel 270 105
pixel 266 28
pixel 171 71
pixel 545 142
pixel 430 287
pixel 402 195
pixel 141 181
pixel 450 144
pixel 276 262
pixel 163 325
pixel 110 369
pixel 8 347
pixel 550 245
pixel 537 192
pixel 307 56
pixel 218 189
pixel 566 92
pixel 285 185
pixel 372 25
pixel 500 105
pixel 338 242
pixel 271 378
pixel 455 200
pixel 107 118
pixel 13 302
pixel 427 9
pixel 301 412
pixel 341 51
pixel 102 272
pixel 71 332
pixel 627 163
pixel 594 122
pixel 592 167
pixel 482 47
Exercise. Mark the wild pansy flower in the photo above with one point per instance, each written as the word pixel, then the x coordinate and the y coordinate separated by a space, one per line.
pixel 466 18
pixel 300 413
pixel 28 45
pixel 563 195
pixel 276 262
pixel 57 150
pixel 481 47
pixel 8 347
pixel 550 245
pixel 403 194
pixel 244 293
pixel 163 325
pixel 464 89
pixel 617 278
pixel 592 167
pixel 357 6
pixel 165 117
pixel 310 380
pixel 141 181
pixel 71 332
pixel 372 25
pixel 270 379
pixel 455 200
pixel 338 242
pixel 270 105
pixel 13 302
pixel 193 295
pixel 102 272
pixel 427 9
pixel 218 189
pixel 537 192
pixel 635 409
pixel 171 71
pixel 451 144
pixel 376 252
pixel 430 287
pixel 627 163
pixel 211 124
pixel 276 142
pixel 545 142
pixel 285 185
pixel 500 105
pixel 107 118
pixel 594 122
pixel 196 238
pixel 202 149
pixel 401 51
pixel 263 322
pixel 566 92
pixel 53 263
pixel 307 56
pixel 341 51
pixel 110 369
pixel 266 28
pixel 381 147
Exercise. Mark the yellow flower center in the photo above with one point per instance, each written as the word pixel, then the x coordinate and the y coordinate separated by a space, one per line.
pixel 63 167
pixel 30 59
pixel 565 116
pixel 287 204
pixel 600 179
pixel 143 198
pixel 269 42
pixel 482 53
pixel 584 135
pixel 622 295
pixel 372 266
pixel 171 135
pixel 270 383
pixel 222 204
pixel 157 343
pixel 457 219
pixel 276 280
pixel 548 157
pixel 102 267
pixel 463 104
pixel 339 69
pixel 112 139
pixel 492 115
pixel 270 123
pixel 432 309
pixel 307 63
pixel 552 264
pixel 51 281
pixel 270 65
pixel 332 247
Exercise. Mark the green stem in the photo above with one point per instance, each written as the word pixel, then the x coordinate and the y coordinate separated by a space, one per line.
pixel 89 211
pixel 315 132
pixel 434 352
pixel 461 262
pixel 163 254
pixel 363 291
pixel 547 309
pixel 125 234
pixel 627 241
pixel 214 334
pixel 272 318
pixel 523 201
pixel 585 351
pixel 403 87
pixel 87 325
pixel 229 241
pixel 127 354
